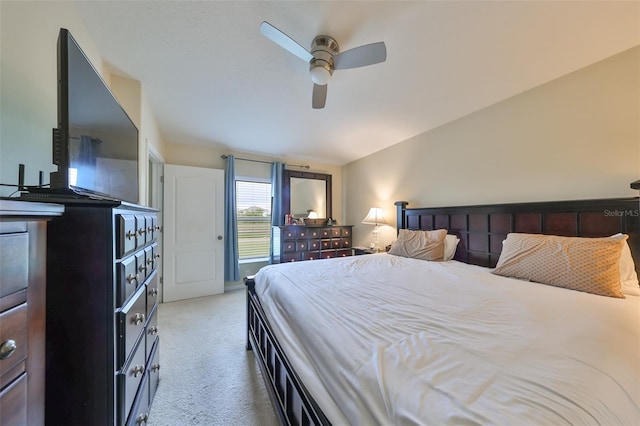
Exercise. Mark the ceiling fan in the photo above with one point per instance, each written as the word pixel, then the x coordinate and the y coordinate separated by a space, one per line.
pixel 325 57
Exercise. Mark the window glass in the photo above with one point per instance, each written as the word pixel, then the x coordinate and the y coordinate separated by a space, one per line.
pixel 253 207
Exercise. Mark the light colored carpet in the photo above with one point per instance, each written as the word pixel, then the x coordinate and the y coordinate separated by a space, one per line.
pixel 207 377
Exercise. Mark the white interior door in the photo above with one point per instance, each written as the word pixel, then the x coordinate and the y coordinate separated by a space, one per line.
pixel 193 232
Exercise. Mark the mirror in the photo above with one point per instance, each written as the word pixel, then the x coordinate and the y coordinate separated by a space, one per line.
pixel 305 191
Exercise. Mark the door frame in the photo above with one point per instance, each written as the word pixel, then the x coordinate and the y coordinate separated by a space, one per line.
pixel 156 200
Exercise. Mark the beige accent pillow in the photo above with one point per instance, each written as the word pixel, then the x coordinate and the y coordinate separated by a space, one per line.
pixel 583 264
pixel 425 245
pixel 628 276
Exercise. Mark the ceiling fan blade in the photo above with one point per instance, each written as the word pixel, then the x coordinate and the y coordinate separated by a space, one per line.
pixel 368 54
pixel 319 96
pixel 284 41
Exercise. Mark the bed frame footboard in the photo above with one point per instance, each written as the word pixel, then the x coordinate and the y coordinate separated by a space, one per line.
pixel 293 404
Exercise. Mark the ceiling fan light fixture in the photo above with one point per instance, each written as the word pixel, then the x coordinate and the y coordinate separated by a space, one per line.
pixel 320 75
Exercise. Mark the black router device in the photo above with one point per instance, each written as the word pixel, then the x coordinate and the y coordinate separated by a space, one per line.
pixel 21 186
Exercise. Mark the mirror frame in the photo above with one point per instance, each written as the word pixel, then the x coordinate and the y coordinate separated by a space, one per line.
pixel 286 188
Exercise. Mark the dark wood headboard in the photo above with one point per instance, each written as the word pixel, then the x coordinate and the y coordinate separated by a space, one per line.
pixel 482 228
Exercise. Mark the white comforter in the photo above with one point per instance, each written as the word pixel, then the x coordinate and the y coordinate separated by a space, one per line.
pixel 381 339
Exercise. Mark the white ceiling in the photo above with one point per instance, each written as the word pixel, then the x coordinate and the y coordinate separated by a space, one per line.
pixel 212 78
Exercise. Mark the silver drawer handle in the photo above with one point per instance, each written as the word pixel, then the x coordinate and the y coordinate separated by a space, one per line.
pixel 155 367
pixel 156 256
pixel 142 231
pixel 153 331
pixel 153 292
pixel 131 234
pixel 142 418
pixel 142 268
pixel 7 348
pixel 132 277
pixel 138 369
pixel 138 319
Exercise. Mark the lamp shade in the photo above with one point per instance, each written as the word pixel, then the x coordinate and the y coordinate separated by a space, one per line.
pixel 374 217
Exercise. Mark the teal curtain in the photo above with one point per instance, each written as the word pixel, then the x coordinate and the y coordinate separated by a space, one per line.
pixel 231 266
pixel 277 210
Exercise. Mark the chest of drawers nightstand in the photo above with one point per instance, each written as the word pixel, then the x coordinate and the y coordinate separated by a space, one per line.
pixel 358 251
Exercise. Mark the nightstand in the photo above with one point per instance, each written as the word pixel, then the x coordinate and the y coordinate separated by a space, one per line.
pixel 357 251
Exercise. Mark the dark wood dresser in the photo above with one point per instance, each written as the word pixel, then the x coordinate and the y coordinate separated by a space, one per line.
pixel 23 233
pixel 102 334
pixel 297 242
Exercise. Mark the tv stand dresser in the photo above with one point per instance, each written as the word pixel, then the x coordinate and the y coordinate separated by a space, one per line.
pixel 102 337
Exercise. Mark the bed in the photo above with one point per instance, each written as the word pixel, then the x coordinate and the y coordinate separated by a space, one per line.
pixel 386 339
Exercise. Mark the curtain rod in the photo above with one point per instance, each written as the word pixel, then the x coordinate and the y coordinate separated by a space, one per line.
pixel 303 166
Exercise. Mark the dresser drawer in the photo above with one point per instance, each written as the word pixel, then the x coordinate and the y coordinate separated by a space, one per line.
pixel 141 265
pixel 14 262
pixel 154 370
pixel 151 332
pixel 13 403
pixel 141 231
pixel 131 321
pixel 314 233
pixel 155 256
pixel 330 254
pixel 344 253
pixel 128 279
pixel 151 222
pixel 289 234
pixel 126 234
pixel 148 260
pixel 139 415
pixel 311 255
pixel 13 343
pixel 129 381
pixel 152 292
pixel 291 257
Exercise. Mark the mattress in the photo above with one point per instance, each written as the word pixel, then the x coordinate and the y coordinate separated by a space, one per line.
pixel 382 339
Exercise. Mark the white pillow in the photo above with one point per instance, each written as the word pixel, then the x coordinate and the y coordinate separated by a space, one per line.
pixel 628 275
pixel 450 246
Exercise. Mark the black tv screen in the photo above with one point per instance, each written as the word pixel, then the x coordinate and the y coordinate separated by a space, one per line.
pixel 96 144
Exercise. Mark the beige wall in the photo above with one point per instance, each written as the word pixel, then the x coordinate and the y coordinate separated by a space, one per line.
pixel 577 137
pixel 28 105
pixel 185 154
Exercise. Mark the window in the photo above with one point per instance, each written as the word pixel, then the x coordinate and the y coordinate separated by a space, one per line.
pixel 253 208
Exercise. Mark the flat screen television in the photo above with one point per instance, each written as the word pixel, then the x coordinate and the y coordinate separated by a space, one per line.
pixel 95 146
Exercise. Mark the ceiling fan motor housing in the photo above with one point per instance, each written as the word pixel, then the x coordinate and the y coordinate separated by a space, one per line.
pixel 323 48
